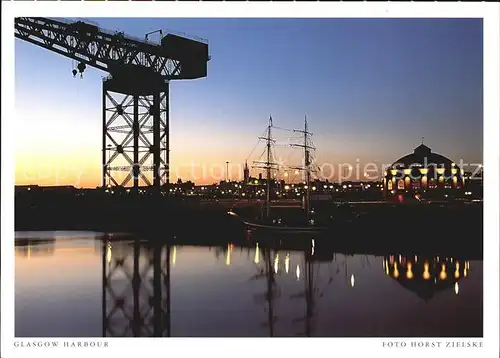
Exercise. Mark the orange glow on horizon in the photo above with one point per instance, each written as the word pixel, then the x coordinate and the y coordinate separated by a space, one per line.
pixel 85 171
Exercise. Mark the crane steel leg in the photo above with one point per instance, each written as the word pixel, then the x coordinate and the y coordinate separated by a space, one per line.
pixel 156 141
pixel 136 142
pixel 166 134
pixel 135 138
pixel 104 135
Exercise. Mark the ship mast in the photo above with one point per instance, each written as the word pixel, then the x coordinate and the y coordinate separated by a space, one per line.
pixel 307 165
pixel 308 172
pixel 268 164
pixel 268 167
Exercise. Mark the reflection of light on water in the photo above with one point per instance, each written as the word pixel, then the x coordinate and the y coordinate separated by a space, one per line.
pixel 383 264
pixel 287 262
pixel 228 256
pixel 352 280
pixel 396 272
pixel 465 271
pixel 174 255
pixel 409 272
pixel 468 267
pixel 416 259
pixel 426 275
pixel 108 253
pixel 29 251
pixel 276 262
pixel 256 260
pixel 456 288
pixel 442 274
pixel 386 268
pixel 297 272
pixel 457 272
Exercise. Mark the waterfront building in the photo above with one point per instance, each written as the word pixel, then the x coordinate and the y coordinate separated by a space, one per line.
pixel 423 173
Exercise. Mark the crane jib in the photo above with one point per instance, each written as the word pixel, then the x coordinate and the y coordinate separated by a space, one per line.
pixel 176 58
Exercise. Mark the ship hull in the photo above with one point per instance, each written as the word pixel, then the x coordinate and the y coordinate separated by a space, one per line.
pixel 263 226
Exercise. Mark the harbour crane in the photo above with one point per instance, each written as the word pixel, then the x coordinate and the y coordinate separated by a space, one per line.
pixel 135 93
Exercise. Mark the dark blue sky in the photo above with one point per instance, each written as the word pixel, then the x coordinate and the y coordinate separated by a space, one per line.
pixel 371 88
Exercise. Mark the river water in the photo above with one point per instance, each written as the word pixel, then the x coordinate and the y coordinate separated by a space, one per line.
pixel 74 284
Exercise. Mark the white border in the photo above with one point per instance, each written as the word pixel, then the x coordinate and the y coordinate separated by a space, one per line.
pixel 225 347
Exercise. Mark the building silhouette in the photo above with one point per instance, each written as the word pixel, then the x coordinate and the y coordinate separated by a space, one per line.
pixel 423 173
pixel 246 174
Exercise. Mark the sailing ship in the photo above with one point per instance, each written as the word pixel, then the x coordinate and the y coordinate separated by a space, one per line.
pixel 290 221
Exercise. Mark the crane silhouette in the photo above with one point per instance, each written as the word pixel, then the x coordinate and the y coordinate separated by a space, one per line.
pixel 135 94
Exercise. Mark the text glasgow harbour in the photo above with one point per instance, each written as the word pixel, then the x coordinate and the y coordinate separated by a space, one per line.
pixel 54 344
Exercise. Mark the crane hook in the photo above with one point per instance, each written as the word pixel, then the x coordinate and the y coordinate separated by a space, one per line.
pixel 81 68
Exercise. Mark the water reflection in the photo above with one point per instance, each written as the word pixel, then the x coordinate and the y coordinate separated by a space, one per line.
pixel 426 275
pixel 30 248
pixel 251 289
pixel 139 316
pixel 136 299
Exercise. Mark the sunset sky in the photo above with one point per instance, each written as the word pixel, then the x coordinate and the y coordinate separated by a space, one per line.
pixel 371 89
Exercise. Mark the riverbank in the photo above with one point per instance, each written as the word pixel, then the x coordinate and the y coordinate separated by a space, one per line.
pixel 441 227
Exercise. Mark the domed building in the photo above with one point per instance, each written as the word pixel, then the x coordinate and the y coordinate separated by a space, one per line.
pixel 423 174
